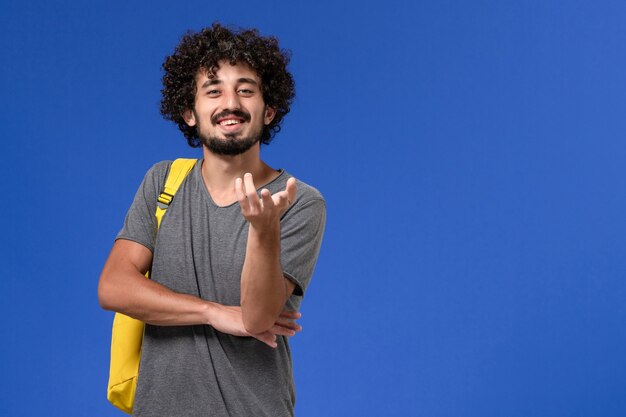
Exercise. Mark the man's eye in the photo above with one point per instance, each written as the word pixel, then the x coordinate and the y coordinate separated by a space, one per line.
pixel 246 91
pixel 213 92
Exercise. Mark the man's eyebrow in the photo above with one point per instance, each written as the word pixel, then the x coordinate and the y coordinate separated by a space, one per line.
pixel 247 81
pixel 211 81
pixel 215 81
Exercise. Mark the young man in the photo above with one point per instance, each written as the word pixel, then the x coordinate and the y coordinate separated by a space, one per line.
pixel 236 248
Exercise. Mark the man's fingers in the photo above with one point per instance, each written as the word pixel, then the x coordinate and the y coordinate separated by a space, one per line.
pixel 288 324
pixel 281 200
pixel 241 195
pixel 253 205
pixel 268 338
pixel 284 326
pixel 266 196
pixel 250 191
pixel 282 331
pixel 291 314
pixel 286 319
pixel 291 190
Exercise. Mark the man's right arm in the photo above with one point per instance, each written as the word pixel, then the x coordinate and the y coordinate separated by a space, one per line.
pixel 124 288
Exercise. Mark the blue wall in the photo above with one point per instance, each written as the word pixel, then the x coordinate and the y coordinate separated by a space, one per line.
pixel 472 157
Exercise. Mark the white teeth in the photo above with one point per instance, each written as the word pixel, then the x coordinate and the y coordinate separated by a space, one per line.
pixel 229 122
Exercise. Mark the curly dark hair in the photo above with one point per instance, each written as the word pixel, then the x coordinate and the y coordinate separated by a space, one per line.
pixel 201 51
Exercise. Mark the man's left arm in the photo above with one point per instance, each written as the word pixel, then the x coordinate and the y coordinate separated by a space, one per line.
pixel 264 288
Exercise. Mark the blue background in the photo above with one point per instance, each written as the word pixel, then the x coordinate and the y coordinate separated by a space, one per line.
pixel 471 154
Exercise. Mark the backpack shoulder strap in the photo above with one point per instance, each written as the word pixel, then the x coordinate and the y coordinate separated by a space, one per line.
pixel 178 172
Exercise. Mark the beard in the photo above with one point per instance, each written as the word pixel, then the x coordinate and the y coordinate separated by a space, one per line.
pixel 230 144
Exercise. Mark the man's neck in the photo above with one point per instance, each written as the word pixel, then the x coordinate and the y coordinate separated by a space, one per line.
pixel 220 171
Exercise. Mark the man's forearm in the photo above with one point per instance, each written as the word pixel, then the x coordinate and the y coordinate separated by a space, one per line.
pixel 124 288
pixel 155 304
pixel 127 291
pixel 263 289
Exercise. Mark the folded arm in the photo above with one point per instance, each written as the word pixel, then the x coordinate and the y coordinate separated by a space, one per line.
pixel 124 288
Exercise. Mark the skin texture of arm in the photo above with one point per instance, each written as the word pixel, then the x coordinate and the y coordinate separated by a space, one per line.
pixel 124 288
pixel 264 289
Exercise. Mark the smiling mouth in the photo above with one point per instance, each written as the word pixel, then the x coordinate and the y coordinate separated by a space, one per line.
pixel 230 122
pixel 231 118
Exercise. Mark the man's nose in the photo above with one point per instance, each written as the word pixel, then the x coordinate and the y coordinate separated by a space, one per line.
pixel 231 101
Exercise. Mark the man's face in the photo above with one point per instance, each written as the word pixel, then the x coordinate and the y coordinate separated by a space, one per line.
pixel 229 110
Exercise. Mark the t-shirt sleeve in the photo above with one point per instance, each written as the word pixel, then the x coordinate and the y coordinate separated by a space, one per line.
pixel 302 229
pixel 140 224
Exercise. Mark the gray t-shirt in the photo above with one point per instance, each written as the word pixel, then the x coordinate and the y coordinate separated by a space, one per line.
pixel 200 250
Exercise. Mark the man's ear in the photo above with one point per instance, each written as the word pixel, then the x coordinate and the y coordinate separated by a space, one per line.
pixel 270 112
pixel 189 117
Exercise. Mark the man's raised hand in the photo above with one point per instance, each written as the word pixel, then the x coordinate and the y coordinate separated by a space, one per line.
pixel 264 211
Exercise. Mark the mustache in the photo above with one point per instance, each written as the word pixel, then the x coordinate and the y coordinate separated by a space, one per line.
pixel 237 113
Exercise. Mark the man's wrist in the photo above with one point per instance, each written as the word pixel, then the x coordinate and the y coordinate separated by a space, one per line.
pixel 210 312
pixel 267 234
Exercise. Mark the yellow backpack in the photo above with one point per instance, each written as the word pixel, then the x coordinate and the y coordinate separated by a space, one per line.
pixel 127 334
